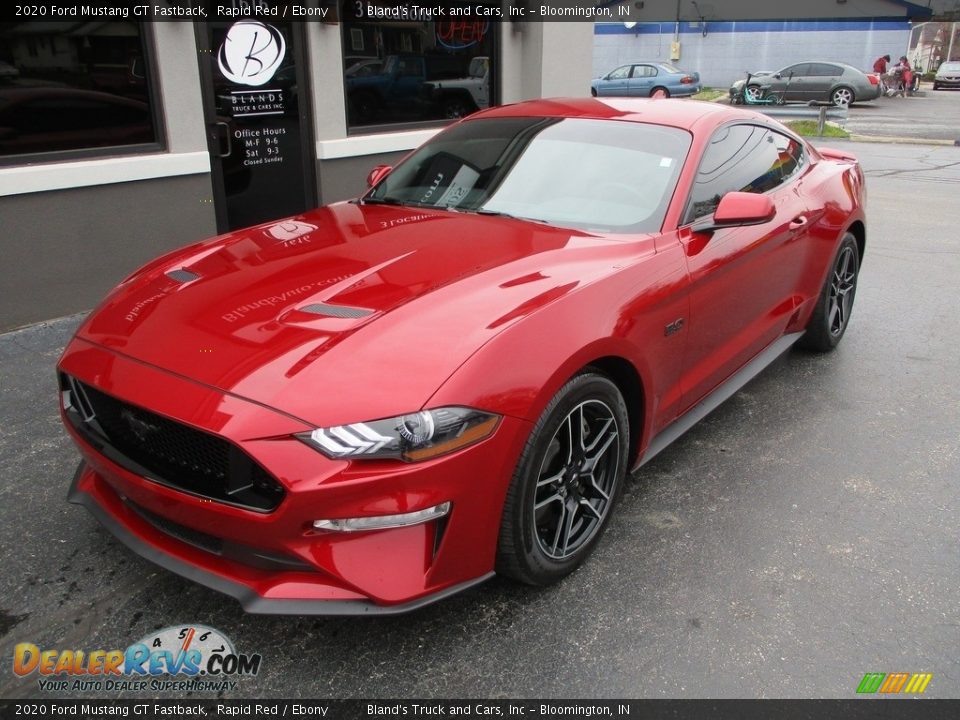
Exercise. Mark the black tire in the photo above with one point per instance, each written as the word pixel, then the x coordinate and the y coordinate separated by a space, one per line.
pixel 365 106
pixel 666 93
pixel 831 316
pixel 455 107
pixel 936 87
pixel 842 96
pixel 593 91
pixel 541 545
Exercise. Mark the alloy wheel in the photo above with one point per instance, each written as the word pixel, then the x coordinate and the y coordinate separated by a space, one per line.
pixel 577 479
pixel 842 286
pixel 842 96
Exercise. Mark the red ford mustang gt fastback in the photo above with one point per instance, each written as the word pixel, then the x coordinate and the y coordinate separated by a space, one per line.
pixel 376 404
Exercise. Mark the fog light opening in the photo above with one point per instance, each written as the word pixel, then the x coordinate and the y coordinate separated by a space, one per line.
pixel 384 522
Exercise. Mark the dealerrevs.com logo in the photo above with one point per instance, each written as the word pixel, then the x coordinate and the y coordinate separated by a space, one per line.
pixel 177 658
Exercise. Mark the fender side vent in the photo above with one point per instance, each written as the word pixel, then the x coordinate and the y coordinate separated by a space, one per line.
pixel 182 276
pixel 337 311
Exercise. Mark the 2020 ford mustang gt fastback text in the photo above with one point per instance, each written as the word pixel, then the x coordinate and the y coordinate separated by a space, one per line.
pixel 378 403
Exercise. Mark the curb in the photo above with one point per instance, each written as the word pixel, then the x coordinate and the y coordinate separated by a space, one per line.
pixel 882 139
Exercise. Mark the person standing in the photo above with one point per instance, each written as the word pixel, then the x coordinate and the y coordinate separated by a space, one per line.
pixel 880 68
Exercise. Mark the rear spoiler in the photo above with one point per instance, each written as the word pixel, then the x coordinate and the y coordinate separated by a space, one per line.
pixel 832 154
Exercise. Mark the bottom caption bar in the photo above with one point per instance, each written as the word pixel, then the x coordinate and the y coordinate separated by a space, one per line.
pixel 931 709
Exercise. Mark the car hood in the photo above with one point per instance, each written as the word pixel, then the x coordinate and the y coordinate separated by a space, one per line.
pixel 347 313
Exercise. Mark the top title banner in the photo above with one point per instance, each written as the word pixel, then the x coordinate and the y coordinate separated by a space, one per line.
pixel 323 10
pixel 630 12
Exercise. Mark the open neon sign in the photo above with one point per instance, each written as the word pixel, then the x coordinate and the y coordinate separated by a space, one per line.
pixel 460 35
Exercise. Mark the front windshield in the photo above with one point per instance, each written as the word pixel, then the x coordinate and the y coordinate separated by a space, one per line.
pixel 596 175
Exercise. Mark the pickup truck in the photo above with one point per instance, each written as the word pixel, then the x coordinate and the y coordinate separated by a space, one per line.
pixel 397 91
pixel 462 96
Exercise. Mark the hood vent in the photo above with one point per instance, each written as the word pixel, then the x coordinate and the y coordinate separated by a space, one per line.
pixel 337 311
pixel 182 276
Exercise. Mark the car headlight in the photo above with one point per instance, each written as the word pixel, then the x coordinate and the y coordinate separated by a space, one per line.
pixel 417 436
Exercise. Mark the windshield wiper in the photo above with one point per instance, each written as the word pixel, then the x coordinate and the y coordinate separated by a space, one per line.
pixel 379 201
pixel 499 213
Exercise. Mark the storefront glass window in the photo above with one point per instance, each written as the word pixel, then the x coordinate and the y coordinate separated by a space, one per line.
pixel 73 86
pixel 415 71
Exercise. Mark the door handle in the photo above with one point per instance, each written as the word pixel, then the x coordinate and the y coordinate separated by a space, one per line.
pixel 798 222
pixel 220 134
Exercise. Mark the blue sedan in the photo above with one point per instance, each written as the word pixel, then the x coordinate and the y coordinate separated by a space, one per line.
pixel 644 79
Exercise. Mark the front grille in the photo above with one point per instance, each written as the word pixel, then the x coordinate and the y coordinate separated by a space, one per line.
pixel 254 557
pixel 167 451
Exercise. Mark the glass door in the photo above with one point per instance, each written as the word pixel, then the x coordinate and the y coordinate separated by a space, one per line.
pixel 258 126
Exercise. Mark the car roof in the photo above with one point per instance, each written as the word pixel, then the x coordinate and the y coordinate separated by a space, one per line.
pixel 844 65
pixel 678 112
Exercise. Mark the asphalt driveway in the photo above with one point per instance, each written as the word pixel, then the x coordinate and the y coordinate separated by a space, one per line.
pixel 804 534
pixel 933 115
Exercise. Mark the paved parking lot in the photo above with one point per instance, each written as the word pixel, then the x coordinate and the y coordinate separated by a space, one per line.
pixel 930 116
pixel 804 534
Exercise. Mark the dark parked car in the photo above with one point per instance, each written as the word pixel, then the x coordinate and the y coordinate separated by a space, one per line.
pixel 644 79
pixel 813 81
pixel 45 119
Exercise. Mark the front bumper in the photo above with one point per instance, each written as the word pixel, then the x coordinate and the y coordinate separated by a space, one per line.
pixel 276 562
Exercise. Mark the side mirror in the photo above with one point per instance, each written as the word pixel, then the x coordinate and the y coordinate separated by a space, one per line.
pixel 737 209
pixel 378 174
pixel 778 76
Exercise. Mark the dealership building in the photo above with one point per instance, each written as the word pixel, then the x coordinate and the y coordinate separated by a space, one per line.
pixel 121 140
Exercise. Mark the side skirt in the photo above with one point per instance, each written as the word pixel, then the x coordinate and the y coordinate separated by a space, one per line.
pixel 715 399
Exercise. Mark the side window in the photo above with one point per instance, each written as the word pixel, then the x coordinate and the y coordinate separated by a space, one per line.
pixel 621 73
pixel 800 70
pixel 741 158
pixel 412 48
pixel 824 70
pixel 791 156
pixel 67 87
pixel 644 71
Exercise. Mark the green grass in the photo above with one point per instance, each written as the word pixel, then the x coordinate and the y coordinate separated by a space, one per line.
pixel 808 128
pixel 710 94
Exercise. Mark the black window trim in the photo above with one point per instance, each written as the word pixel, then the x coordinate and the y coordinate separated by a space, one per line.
pixel 103 152
pixel 801 171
